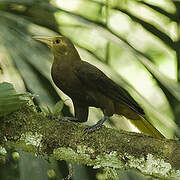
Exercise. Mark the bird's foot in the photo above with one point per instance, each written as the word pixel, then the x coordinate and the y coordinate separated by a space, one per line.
pixel 95 127
pixel 66 118
pixel 92 128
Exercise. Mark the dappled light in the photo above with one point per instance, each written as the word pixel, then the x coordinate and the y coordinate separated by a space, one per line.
pixel 134 42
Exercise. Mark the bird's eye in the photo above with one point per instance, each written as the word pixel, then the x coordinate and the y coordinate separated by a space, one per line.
pixel 58 41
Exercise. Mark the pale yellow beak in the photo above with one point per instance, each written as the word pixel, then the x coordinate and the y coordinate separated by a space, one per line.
pixel 46 40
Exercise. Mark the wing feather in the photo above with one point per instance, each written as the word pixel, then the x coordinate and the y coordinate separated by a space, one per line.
pixel 96 79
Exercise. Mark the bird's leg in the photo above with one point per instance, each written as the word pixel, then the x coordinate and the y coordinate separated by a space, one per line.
pixel 66 118
pixel 97 126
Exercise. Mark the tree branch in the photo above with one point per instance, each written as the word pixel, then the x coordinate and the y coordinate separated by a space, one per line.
pixel 32 132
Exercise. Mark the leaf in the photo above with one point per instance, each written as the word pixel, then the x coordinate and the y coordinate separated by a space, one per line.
pixel 32 65
pixel 161 121
pixel 31 57
pixel 46 110
pixel 9 99
pixel 56 111
pixel 170 84
pixel 58 108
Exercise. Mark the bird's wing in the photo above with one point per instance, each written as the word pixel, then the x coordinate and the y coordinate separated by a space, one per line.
pixel 96 79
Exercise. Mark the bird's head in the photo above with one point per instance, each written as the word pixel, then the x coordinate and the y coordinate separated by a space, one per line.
pixel 59 45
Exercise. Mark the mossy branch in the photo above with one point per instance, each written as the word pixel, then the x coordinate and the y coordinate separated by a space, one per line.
pixel 32 132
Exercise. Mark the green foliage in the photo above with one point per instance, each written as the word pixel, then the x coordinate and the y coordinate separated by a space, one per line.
pixel 114 34
pixel 9 99
pixel 136 42
pixel 56 110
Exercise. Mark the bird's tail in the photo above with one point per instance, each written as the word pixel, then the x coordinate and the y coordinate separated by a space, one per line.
pixel 146 127
pixel 140 122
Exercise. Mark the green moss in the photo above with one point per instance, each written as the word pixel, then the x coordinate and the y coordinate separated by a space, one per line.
pixel 31 138
pixel 152 166
pixel 21 127
pixel 74 156
pixel 111 173
pixel 108 160
pixel 32 132
pixel 2 151
pixel 83 155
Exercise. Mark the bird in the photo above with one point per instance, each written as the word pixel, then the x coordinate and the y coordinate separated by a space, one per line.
pixel 88 86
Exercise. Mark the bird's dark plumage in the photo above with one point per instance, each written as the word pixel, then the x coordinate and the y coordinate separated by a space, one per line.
pixel 88 86
pixel 96 79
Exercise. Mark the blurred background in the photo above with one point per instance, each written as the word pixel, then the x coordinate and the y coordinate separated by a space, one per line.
pixel 135 42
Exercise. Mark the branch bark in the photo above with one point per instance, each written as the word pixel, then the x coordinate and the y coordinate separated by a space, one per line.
pixel 32 132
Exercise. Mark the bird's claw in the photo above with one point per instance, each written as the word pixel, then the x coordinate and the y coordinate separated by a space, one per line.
pixel 93 128
pixel 97 126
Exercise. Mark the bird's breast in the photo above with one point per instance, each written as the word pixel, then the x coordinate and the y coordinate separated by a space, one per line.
pixel 66 81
